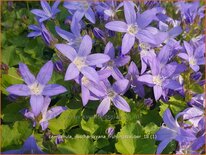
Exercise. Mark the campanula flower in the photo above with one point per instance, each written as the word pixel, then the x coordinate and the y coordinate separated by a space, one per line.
pixel 162 74
pixel 81 9
pixel 47 12
pixel 29 147
pixel 82 61
pixel 108 8
pixel 112 65
pixel 172 131
pixel 110 131
pixel 41 30
pixel 132 76
pixel 195 57
pixel 74 37
pixel 37 87
pixel 136 27
pixel 112 93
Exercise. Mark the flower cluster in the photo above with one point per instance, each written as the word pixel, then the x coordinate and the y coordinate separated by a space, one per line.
pixel 118 48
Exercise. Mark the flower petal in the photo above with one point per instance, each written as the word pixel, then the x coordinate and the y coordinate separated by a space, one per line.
pixel 54 112
pixel 169 119
pixel 67 50
pixel 45 73
pixel 127 43
pixel 104 107
pixel 97 59
pixel 162 146
pixel 183 56
pixel 157 92
pixel 90 73
pixel 188 48
pixel 118 26
pixel 90 15
pixel 146 78
pixel 122 60
pixel 36 102
pixel 121 104
pixel 46 7
pixel 26 74
pixel 172 84
pixel 85 95
pixel 120 86
pixel 72 72
pixel 129 12
pixel 65 35
pixel 109 50
pixel 19 89
pixel 85 46
pixel 53 89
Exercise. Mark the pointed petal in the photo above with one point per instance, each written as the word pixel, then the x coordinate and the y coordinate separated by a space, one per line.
pixel 44 125
pixel 45 73
pixel 146 78
pixel 121 104
pixel 120 86
pixel 109 50
pixel 53 89
pixel 122 60
pixel 133 68
pixel 85 46
pixel 19 89
pixel 72 72
pixel 162 146
pixel 146 36
pixel 85 95
pixel 183 56
pixel 54 112
pixel 97 59
pixel 157 92
pixel 64 34
pixel 169 119
pixel 46 103
pixel 116 74
pixel 90 73
pixel 172 84
pixel 39 13
pixel 175 31
pixel 67 50
pixel 104 107
pixel 129 12
pixel 75 27
pixel 26 74
pixel 90 15
pixel 127 43
pixel 36 102
pixel 55 5
pixel 188 48
pixel 118 26
pixel 46 7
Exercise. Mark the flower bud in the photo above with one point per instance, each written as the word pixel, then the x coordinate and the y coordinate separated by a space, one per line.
pixel 58 66
pixel 98 33
pixel 110 131
pixel 59 139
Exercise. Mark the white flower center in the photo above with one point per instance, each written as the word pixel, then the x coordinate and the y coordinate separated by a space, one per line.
pixel 110 63
pixel 85 5
pixel 111 94
pixel 192 61
pixel 109 12
pixel 80 62
pixel 132 29
pixel 85 80
pixel 36 88
pixel 157 80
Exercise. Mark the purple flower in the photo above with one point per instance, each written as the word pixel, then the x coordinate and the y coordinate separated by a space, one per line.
pixel 189 11
pixel 132 76
pixel 108 8
pixel 43 32
pixel 136 27
pixel 110 131
pixel 80 9
pixel 29 147
pixel 111 67
pixel 37 87
pixel 82 61
pixel 148 102
pixel 112 94
pixel 58 66
pixel 172 131
pixel 99 33
pixel 195 57
pixel 73 39
pixel 47 12
pixel 59 139
pixel 46 114
pixel 162 75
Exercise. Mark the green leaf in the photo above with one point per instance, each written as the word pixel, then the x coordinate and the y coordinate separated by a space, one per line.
pixel 131 140
pixel 10 78
pixel 196 88
pixel 11 112
pixel 66 120
pixel 13 137
pixel 77 146
pixel 9 56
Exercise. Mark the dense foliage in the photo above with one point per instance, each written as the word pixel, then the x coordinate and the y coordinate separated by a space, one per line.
pixel 86 77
